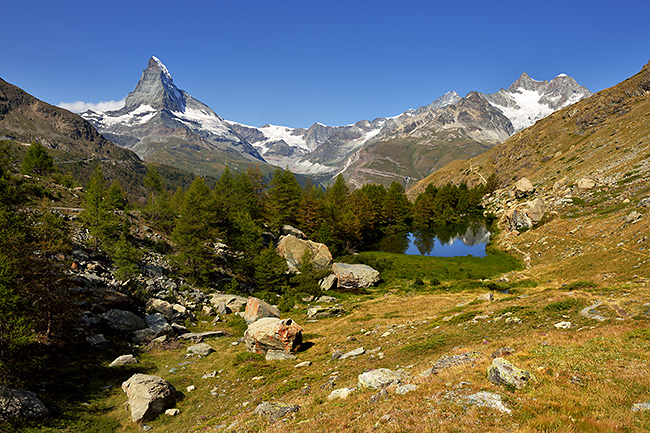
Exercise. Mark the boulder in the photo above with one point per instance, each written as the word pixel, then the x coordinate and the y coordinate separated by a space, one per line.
pixel 123 321
pixel 488 399
pixel 341 393
pixel 524 188
pixel 233 303
pixel 461 360
pixel 279 355
pixel 16 404
pixel 273 333
pixel 525 215
pixel 356 352
pixel 632 217
pixel 504 372
pixel 585 184
pixel 148 396
pixel 275 411
pixel 258 309
pixel 123 360
pixel 355 276
pixel 158 324
pixel 160 306
pixel 329 282
pixel 291 230
pixel 319 312
pixel 197 337
pixel 202 349
pixel 380 378
pixel 292 249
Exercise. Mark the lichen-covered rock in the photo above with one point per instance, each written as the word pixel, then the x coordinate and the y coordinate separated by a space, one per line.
pixel 525 215
pixel 257 309
pixel 488 399
pixel 292 249
pixel 18 404
pixel 275 411
pixel 148 396
pixel 272 333
pixel 355 276
pixel 329 282
pixel 446 361
pixel 504 372
pixel 380 378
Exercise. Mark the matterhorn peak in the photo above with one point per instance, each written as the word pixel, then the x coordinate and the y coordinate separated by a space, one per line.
pixel 155 63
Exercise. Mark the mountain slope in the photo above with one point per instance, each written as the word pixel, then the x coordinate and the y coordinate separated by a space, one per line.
pixel 75 144
pixel 164 124
pixel 589 165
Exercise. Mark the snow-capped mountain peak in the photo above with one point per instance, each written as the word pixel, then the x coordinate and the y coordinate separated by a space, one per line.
pixel 157 108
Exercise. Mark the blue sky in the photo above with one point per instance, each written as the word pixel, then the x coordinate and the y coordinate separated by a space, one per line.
pixel 298 62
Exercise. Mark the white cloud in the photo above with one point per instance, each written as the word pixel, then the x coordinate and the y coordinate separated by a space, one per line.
pixel 80 106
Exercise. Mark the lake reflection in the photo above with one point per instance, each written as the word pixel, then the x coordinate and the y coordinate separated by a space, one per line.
pixel 468 238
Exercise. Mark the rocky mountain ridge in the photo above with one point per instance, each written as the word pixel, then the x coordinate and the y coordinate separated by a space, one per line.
pixel 411 145
pixel 73 141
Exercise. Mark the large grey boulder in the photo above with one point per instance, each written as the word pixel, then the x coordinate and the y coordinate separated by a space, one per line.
pixel 504 372
pixel 18 404
pixel 355 276
pixel 380 378
pixel 293 249
pixel 257 309
pixel 123 321
pixel 148 396
pixel 158 324
pixel 272 333
pixel 488 399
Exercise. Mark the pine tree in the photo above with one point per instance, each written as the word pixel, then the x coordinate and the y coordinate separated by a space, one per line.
pixel 284 198
pixel 37 161
pixel 193 230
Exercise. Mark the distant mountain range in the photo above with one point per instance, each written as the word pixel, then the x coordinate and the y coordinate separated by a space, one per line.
pixel 164 124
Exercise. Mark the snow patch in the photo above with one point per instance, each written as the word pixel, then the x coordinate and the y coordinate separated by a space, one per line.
pixel 140 115
pixel 200 119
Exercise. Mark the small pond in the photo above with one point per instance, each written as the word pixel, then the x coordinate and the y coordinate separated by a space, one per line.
pixel 466 238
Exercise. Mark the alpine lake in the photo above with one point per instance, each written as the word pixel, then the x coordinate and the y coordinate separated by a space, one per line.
pixel 467 238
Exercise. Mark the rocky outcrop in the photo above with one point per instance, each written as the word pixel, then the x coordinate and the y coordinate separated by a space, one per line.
pixel 148 396
pixel 272 333
pixel 293 249
pixel 257 309
pixel 319 312
pixel 16 404
pixel 355 276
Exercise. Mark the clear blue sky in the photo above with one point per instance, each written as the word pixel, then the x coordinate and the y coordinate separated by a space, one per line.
pixel 298 62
